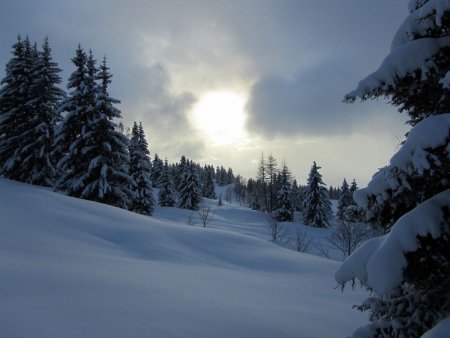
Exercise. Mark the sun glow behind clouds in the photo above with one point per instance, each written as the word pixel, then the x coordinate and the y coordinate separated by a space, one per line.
pixel 220 116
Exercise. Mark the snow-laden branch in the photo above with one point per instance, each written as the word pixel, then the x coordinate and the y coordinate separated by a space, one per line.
pixel 379 263
pixel 414 156
pixel 406 60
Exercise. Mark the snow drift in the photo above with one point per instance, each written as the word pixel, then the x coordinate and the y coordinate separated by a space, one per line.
pixel 74 268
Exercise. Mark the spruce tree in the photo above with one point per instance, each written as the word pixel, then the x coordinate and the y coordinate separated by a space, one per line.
pixel 12 106
pixel 104 150
pixel 24 147
pixel 317 206
pixel 297 196
pixel 38 166
pixel 344 201
pixel 353 188
pixel 166 194
pixel 189 190
pixel 69 140
pixel 140 168
pixel 208 186
pixel 285 211
pixel 157 168
pixel 407 270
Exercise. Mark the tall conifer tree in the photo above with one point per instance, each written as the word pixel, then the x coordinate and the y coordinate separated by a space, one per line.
pixel 166 194
pixel 285 211
pixel 189 190
pixel 408 269
pixel 77 107
pixel 345 200
pixel 12 102
pixel 140 171
pixel 317 206
pixel 105 149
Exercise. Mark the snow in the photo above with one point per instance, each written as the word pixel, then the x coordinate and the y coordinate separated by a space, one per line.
pixel 441 330
pixel 428 134
pixel 380 261
pixel 446 80
pixel 420 21
pixel 75 268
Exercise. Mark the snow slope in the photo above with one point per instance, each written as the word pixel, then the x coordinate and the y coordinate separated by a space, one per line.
pixel 74 268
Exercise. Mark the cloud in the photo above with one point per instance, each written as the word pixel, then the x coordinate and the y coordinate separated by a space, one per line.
pixel 310 103
pixel 163 113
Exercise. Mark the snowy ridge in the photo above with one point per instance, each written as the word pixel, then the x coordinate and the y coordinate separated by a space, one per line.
pixel 75 268
pixel 384 256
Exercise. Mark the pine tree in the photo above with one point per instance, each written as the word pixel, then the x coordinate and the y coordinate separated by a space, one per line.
pixel 297 196
pixel 39 166
pixel 12 103
pixel 409 199
pixel 189 190
pixel 178 171
pixel 69 140
pixel 104 150
pixel 140 169
pixel 157 169
pixel 353 188
pixel 285 211
pixel 208 186
pixel 27 105
pixel 344 201
pixel 166 194
pixel 317 206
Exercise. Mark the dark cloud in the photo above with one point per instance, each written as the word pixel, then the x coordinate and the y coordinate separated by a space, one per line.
pixel 164 113
pixel 310 103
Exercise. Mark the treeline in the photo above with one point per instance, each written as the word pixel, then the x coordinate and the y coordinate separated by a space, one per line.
pixel 277 192
pixel 69 141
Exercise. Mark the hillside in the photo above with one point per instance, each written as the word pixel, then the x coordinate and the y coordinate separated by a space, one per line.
pixel 74 268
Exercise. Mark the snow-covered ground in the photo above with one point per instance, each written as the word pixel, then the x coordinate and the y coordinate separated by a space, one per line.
pixel 74 268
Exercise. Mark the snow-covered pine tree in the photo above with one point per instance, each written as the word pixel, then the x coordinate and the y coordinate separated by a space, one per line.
pixel 38 165
pixel 353 188
pixel 297 196
pixel 140 169
pixel 157 168
pixel 105 150
pixel 285 211
pixel 77 106
pixel 344 201
pixel 408 269
pixel 27 107
pixel 189 193
pixel 178 170
pixel 167 193
pixel 208 186
pixel 13 99
pixel 316 206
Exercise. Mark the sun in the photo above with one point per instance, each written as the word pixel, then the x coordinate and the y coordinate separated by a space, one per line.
pixel 221 117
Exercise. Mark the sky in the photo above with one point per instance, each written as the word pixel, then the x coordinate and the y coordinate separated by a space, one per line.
pixel 223 82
